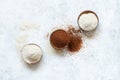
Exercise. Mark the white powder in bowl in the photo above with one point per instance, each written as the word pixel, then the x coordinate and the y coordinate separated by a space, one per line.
pixel 31 53
pixel 88 21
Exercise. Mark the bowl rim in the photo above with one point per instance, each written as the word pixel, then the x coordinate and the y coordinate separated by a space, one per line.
pixel 86 12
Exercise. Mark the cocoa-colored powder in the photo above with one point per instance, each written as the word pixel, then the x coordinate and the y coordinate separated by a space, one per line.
pixel 70 38
pixel 59 39
pixel 75 39
pixel 75 43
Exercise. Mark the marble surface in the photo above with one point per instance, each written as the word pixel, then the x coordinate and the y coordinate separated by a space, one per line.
pixel 99 58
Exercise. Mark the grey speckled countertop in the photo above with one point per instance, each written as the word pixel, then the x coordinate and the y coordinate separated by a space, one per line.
pixel 99 58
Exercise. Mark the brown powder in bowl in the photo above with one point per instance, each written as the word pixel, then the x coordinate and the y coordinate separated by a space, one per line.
pixel 59 39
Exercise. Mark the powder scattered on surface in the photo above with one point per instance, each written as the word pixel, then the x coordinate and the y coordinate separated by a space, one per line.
pixel 75 40
pixel 75 43
pixel 21 40
pixel 28 26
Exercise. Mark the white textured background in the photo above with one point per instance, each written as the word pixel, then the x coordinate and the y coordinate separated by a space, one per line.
pixel 99 59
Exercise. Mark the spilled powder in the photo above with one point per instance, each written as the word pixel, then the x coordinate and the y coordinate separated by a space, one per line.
pixel 21 41
pixel 28 26
pixel 75 43
pixel 75 39
pixel 27 30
